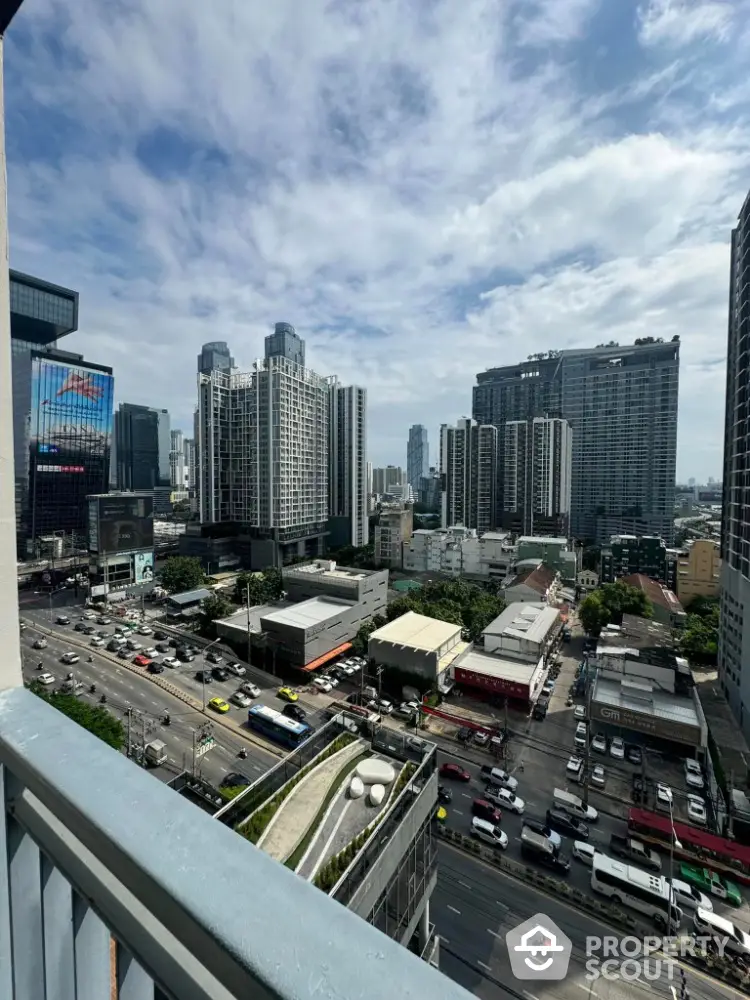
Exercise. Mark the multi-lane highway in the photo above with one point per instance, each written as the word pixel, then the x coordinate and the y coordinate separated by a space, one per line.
pixel 474 906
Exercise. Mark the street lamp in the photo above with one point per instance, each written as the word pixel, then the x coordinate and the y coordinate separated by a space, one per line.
pixel 673 842
pixel 203 672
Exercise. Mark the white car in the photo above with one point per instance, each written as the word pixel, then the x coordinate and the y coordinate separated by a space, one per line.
pixel 574 765
pixel 504 798
pixel 98 641
pixel 330 680
pixel 347 668
pixel 151 653
pixel 584 852
pixel 171 661
pixel 663 796
pixel 599 743
pixel 252 689
pixel 241 699
pixel 579 712
pixel 688 897
pixel 696 810
pixel 481 737
pixel 145 630
pixel 385 707
pixel 693 774
pixel 103 620
pixel 89 616
pixel 70 658
pixel 617 748
pixel 598 776
pixel 322 684
pixel 46 679
pixel 236 668
pixel 133 646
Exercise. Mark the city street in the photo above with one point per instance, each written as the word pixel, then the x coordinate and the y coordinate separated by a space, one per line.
pixel 474 906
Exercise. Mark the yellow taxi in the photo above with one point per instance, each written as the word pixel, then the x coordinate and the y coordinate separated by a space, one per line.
pixel 286 694
pixel 218 705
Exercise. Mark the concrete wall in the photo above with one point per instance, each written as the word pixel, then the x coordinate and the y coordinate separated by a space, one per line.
pixel 370 590
pixel 415 661
pixel 299 645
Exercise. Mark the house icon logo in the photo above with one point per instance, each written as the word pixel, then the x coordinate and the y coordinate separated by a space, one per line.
pixel 538 949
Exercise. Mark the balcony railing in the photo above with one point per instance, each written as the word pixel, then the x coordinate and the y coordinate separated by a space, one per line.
pixel 99 859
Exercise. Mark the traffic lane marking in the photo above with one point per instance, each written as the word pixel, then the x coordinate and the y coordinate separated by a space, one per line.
pixel 453 908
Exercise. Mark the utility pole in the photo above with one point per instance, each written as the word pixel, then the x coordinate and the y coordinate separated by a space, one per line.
pixel 249 640
pixel 194 757
pixel 129 712
pixel 585 795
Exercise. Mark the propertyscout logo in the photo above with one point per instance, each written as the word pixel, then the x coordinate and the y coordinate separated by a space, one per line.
pixel 539 950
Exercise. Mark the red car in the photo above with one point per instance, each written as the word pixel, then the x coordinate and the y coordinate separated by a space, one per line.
pixel 454 771
pixel 141 660
pixel 486 810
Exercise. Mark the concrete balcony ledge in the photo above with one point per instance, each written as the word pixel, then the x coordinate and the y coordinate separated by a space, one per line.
pixel 94 848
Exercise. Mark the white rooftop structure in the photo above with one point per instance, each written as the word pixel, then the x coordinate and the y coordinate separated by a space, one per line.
pixel 417 632
pixel 327 568
pixel 308 613
pixel 645 699
pixel 523 630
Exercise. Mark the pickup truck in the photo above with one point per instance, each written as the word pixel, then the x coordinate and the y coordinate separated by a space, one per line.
pixel 635 851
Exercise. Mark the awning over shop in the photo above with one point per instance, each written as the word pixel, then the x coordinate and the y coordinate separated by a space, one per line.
pixel 327 657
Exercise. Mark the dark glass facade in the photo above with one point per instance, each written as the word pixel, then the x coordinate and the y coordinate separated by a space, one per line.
pixel 142 444
pixel 284 342
pixel 215 356
pixel 70 425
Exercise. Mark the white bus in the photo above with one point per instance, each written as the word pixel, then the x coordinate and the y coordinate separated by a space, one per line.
pixel 629 886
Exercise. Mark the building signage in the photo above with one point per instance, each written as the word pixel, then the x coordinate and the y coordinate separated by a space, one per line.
pixel 627 719
pixel 496 685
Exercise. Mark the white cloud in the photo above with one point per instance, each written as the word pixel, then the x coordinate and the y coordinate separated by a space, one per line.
pixel 680 22
pixel 421 197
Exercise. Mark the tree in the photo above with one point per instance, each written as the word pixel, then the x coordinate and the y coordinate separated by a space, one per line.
pixel 181 573
pixel 250 585
pixel 699 636
pixel 274 583
pixel 593 614
pixel 92 717
pixel 609 603
pixel 212 608
pixel 360 640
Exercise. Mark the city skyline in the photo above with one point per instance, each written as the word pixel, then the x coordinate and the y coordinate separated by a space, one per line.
pixel 645 154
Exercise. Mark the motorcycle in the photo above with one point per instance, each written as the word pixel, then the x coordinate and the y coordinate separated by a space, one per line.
pixel 91 659
pixel 40 665
pixel 92 689
pixel 243 753
pixel 103 699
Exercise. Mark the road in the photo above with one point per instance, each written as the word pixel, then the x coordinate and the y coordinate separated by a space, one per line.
pixel 474 906
pixel 125 689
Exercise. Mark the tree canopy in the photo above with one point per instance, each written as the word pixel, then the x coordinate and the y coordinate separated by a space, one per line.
pixel 609 603
pixel 92 717
pixel 213 607
pixel 699 638
pixel 181 573
pixel 260 587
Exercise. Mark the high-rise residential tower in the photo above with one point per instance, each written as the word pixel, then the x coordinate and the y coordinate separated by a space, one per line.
pixel 263 454
pixel 144 444
pixel 384 479
pixel 621 404
pixel 177 464
pixel 284 342
pixel 734 627
pixel 215 356
pixel 348 521
pixel 468 468
pixel 537 457
pixel 417 456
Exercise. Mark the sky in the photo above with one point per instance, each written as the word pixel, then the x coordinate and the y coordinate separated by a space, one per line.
pixel 423 188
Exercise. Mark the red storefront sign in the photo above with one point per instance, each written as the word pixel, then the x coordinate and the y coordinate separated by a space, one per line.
pixel 496 685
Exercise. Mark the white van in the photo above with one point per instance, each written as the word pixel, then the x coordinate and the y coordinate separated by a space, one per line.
pixel 573 805
pixel 688 897
pixel 712 925
pixel 482 829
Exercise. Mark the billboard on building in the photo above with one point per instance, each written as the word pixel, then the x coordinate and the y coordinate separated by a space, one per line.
pixel 121 523
pixel 70 428
pixel 143 567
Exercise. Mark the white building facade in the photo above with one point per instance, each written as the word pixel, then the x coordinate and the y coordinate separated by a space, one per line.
pixel 348 468
pixel 459 551
pixel 468 465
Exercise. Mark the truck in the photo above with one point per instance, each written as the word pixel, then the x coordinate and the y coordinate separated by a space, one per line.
pixel 541 706
pixel 155 753
pixel 71 686
pixel 535 847
pixel 574 805
pixel 635 851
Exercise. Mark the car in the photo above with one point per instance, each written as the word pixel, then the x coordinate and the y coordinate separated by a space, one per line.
pixel 564 823
pixel 290 711
pixel 252 689
pixel 79 626
pixel 236 668
pixel 385 707
pixel 40 644
pixel 584 852
pixel 348 668
pixel 89 615
pixel 321 684
pixel 162 647
pixel 498 777
pixel 98 641
pixel 504 798
pixel 133 646
pixel 481 829
pixel 70 657
pixel 46 678
pixel 617 748
pixel 711 883
pixel 287 694
pixel 574 765
pixel 63 620
pixel 599 743
pixel 696 810
pixel 234 780
pixel 241 699
pixel 634 754
pixel 454 771
pixel 579 712
pixel 330 680
pixel 145 630
pixel 694 775
pixel 220 673
pixel 141 661
pixel 543 830
pixel 219 705
pixel 184 657
pixel 481 737
pixel 115 644
pixel 155 667
pixel 549 687
pixel 687 896
pixel 598 776
pixel 103 620
pixel 173 642
pixel 89 630
pixel 213 657
pixel 582 735
pixel 124 653
pixel 161 636
pixel 171 661
pixel 664 796
pixel 414 743
pixel 336 673
pixel 463 735
pixel 445 794
pixel 204 676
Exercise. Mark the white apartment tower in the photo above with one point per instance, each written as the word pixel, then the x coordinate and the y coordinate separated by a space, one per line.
pixel 263 451
pixel 537 462
pixel 348 521
pixel 468 467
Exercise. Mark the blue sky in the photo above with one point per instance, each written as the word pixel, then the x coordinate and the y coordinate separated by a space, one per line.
pixel 424 189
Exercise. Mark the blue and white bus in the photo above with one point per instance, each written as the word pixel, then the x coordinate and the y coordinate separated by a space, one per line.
pixel 277 727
